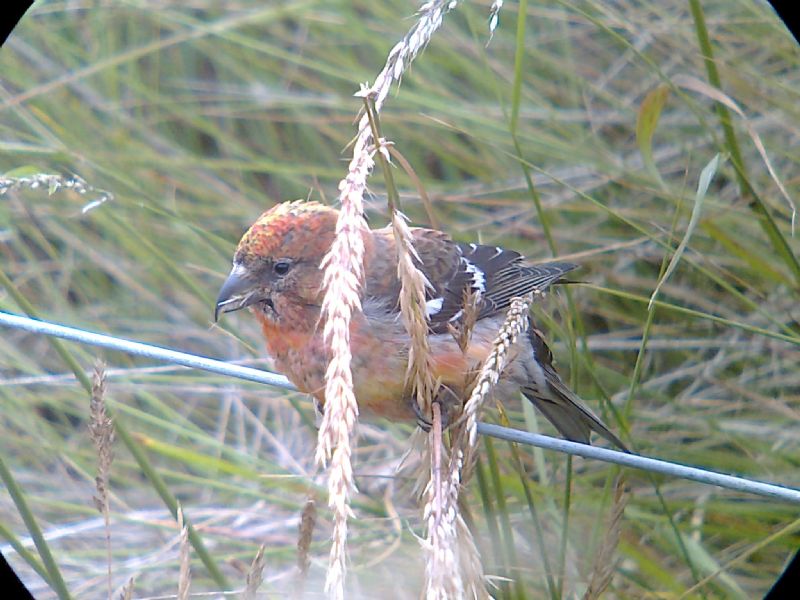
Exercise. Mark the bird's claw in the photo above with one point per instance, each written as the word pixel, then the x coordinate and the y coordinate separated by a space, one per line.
pixel 424 421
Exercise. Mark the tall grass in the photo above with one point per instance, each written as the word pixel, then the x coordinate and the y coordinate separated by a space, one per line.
pixel 198 116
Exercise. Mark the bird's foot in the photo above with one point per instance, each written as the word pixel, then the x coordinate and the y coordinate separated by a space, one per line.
pixel 423 422
pixel 447 402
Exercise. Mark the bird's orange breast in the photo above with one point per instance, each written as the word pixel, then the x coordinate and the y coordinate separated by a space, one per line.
pixel 378 369
pixel 379 362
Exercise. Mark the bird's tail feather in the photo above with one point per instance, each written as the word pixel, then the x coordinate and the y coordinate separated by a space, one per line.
pixel 573 420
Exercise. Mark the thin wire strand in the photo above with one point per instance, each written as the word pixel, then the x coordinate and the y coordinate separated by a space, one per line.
pixel 738 484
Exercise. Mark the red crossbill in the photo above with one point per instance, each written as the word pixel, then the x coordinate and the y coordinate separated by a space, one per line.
pixel 276 273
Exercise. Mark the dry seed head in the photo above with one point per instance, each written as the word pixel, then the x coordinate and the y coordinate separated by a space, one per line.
pixel 412 302
pixel 255 575
pixel 516 323
pixel 127 590
pixel 308 520
pixel 343 274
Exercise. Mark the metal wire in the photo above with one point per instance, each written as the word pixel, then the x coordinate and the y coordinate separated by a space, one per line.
pixel 738 484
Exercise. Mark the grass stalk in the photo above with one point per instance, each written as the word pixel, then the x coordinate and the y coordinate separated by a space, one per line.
pixel 147 469
pixel 755 203
pixel 54 577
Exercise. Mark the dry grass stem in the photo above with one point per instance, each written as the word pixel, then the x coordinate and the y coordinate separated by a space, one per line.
pixel 433 222
pixel 455 563
pixel 255 575
pixel 101 431
pixel 305 535
pixel 604 563
pixel 460 540
pixel 184 575
pixel 444 561
pixel 464 437
pixel 342 280
pixel 442 572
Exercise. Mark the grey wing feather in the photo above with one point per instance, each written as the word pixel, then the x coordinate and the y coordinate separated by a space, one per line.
pixel 496 276
pixel 491 274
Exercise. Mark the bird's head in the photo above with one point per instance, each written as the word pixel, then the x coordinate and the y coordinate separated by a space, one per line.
pixel 276 265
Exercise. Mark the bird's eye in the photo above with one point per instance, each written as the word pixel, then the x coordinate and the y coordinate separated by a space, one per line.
pixel 281 267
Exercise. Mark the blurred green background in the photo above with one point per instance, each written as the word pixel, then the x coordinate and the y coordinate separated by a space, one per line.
pixel 199 115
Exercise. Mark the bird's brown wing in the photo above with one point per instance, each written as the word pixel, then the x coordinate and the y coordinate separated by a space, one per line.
pixel 493 275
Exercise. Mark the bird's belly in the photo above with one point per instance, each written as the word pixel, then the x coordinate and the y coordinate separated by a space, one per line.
pixel 379 367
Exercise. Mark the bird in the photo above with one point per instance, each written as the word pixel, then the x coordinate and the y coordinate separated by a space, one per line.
pixel 277 274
